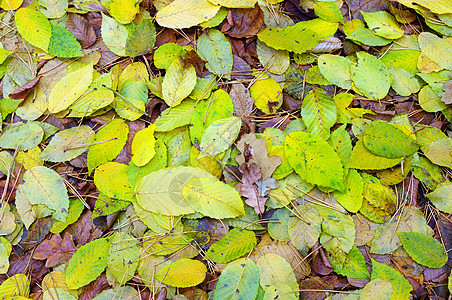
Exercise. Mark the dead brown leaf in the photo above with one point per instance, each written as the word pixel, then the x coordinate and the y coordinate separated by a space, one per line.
pixel 55 250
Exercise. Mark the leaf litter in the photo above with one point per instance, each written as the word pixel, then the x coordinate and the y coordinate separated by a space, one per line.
pixel 210 149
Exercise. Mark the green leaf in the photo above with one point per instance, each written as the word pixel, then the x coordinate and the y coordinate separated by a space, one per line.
pixel 383 24
pixel 280 291
pixel 429 100
pixel 405 59
pixel 112 180
pixel 336 69
pixel 114 35
pixel 346 114
pixel 182 273
pixel 174 117
pixel 143 146
pixel 385 139
pixel 87 263
pixel 161 191
pixel 440 152
pixel 379 200
pixel 186 13
pixel 107 143
pixel 267 94
pixel 213 198
pixel 179 81
pixel 363 159
pixel 166 54
pixel 34 27
pixel 401 288
pixel 314 160
pixel 58 293
pixel 274 269
pixel 441 196
pixel 328 11
pixel 237 242
pixel 70 88
pixel 68 144
pixel 22 135
pixel 219 136
pixel 424 249
pixel 378 289
pixel 218 106
pixel 215 48
pixel 64 44
pixel 45 186
pixel 427 172
pixel 370 76
pixel 239 280
pixel 122 260
pixel 300 37
pixel 437 49
pixel 309 224
pixel 141 37
pixel 319 113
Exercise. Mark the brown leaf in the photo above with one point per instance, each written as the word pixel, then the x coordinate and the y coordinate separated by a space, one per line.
pixel 267 163
pixel 36 233
pixel 126 154
pixel 447 95
pixel 243 22
pixel 320 263
pixel 22 92
pixel 25 264
pixel 242 100
pixel 95 288
pixel 356 6
pixel 107 57
pixel 313 286
pixel 83 31
pixel 55 250
pixel 82 230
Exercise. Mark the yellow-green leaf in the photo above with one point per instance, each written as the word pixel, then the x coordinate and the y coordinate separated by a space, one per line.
pixel 10 4
pixel 219 136
pixel 161 191
pixel 21 135
pixel 363 159
pixel 53 9
pixel 379 200
pixel 336 69
pixel 122 260
pixel 328 11
pixel 403 83
pixel 401 287
pixel 213 198
pixel 112 180
pixel 234 244
pixel 274 269
pixel 440 152
pixel 370 76
pixel 215 48
pixel 143 146
pixel 267 94
pixel 437 49
pixel 182 273
pixel 186 13
pixel 177 116
pixel 166 54
pixel 114 35
pixel 441 196
pixel 68 144
pixel 352 199
pixel 108 142
pixel 319 113
pixel 383 24
pixel 314 160
pixel 70 88
pixel 16 285
pixel 124 11
pixel 274 61
pixel 34 27
pixel 300 37
pixel 377 289
pixel 87 263
pixel 385 139
pixel 424 249
pixel 45 186
pixel 239 280
pixel 179 81
pixel 235 3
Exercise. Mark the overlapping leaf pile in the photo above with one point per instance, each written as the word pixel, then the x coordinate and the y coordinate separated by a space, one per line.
pixel 254 149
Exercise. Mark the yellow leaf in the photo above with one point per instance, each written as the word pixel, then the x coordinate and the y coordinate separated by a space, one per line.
pixel 11 4
pixel 70 88
pixel 16 285
pixel 267 95
pixel 183 273
pixel 124 11
pixel 186 13
pixel 34 27
pixel 143 146
pixel 29 159
pixel 235 3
